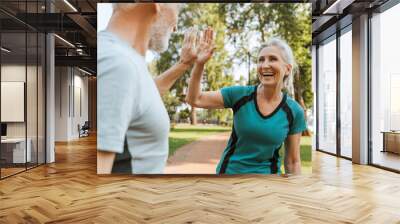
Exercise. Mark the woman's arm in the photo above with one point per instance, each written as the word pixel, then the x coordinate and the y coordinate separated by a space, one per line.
pixel 188 55
pixel 195 97
pixel 292 154
pixel 165 81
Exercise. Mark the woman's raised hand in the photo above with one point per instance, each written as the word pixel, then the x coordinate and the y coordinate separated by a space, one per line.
pixel 205 47
pixel 197 48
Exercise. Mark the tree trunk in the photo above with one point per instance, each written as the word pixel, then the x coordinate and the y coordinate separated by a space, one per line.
pixel 298 90
pixel 193 116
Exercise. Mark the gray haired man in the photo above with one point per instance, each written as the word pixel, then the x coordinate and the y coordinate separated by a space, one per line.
pixel 133 122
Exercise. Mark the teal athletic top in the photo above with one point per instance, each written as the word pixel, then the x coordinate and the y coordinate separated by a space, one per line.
pixel 256 139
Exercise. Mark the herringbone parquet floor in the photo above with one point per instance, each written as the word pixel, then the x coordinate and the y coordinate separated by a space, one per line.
pixel 69 191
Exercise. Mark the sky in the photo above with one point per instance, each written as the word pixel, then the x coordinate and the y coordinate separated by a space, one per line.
pixel 104 11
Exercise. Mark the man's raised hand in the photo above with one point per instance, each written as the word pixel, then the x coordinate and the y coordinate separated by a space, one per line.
pixel 189 52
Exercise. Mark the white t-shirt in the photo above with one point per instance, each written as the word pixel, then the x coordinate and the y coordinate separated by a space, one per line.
pixel 129 106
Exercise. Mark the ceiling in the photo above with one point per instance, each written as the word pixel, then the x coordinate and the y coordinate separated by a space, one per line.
pixel 74 22
pixel 329 15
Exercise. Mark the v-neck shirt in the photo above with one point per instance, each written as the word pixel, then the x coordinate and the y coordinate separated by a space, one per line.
pixel 256 138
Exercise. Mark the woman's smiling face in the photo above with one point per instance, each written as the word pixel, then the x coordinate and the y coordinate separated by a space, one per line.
pixel 271 66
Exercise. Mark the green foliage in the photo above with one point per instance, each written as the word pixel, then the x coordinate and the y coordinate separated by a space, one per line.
pixel 171 102
pixel 217 73
pixel 258 22
pixel 241 28
pixel 184 114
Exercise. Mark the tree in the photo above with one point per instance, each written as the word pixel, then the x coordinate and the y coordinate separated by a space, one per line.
pixel 184 114
pixel 171 103
pixel 297 31
pixel 241 28
pixel 217 72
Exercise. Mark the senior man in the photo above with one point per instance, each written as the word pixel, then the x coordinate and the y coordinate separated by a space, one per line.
pixel 133 122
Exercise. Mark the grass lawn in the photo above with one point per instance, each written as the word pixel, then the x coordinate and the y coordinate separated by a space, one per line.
pixel 184 134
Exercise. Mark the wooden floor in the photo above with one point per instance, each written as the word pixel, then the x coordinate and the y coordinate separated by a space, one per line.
pixel 10 171
pixel 5 172
pixel 69 191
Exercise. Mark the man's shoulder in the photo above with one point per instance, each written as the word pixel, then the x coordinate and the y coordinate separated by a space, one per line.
pixel 114 58
pixel 112 51
pixel 110 47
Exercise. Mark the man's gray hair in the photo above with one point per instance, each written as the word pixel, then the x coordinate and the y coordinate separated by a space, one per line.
pixel 288 57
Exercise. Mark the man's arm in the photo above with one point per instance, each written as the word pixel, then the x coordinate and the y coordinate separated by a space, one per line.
pixel 165 81
pixel 188 55
pixel 105 161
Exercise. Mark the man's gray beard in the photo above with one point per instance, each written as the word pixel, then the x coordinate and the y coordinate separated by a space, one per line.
pixel 159 37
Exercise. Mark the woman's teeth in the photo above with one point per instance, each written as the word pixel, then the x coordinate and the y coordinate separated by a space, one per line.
pixel 268 74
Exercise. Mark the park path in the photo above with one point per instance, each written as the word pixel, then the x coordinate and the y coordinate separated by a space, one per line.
pixel 198 157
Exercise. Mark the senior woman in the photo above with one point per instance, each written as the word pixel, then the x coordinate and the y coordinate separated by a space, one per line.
pixel 264 116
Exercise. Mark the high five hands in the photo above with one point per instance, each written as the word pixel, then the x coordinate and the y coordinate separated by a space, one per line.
pixel 197 48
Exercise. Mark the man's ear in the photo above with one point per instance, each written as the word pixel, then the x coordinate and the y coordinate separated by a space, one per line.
pixel 157 7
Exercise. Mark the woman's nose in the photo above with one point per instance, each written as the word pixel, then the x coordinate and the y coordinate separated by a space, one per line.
pixel 265 64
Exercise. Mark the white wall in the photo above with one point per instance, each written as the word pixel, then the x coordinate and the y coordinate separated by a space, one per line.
pixel 33 126
pixel 79 117
pixel 12 73
pixel 70 84
pixel 61 103
pixel 50 95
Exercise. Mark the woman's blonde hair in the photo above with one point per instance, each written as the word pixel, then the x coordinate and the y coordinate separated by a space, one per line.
pixel 288 57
